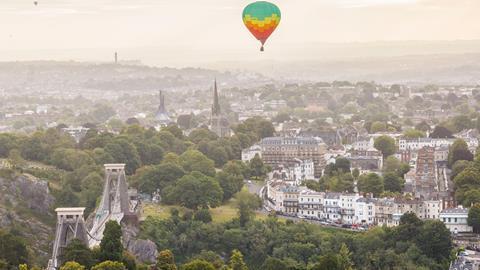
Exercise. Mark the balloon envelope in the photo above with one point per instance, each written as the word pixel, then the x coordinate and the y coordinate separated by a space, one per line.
pixel 261 18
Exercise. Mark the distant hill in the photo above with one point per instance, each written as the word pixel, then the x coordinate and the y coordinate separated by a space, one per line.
pixel 75 76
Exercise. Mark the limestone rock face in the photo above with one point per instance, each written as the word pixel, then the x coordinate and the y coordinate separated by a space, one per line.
pixel 144 250
pixel 26 204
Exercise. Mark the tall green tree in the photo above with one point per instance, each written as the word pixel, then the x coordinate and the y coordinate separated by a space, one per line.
pixel 371 183
pixel 386 145
pixel 246 204
pixel 111 248
pixel 474 217
pixel 236 261
pixel 459 151
pixel 77 251
pixel 12 249
pixel 193 160
pixel 441 132
pixel 196 190
pixel 165 260
pixel 124 151
pixel 257 167
pixel 392 182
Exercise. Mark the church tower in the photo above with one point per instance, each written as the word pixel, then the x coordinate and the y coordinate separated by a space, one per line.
pixel 218 122
pixel 162 117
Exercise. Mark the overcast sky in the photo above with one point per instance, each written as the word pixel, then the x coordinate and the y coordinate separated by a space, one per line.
pixel 190 27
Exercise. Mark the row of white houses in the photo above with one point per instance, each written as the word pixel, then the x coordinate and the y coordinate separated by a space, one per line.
pixel 355 209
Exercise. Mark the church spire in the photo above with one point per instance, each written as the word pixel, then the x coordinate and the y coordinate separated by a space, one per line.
pixel 216 104
pixel 161 106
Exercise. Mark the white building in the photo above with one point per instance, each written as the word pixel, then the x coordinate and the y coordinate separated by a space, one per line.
pixel 310 204
pixel 363 145
pixel 249 153
pixel 275 195
pixel 365 211
pixel 331 207
pixel 432 209
pixel 302 170
pixel 417 144
pixel 348 203
pixel 456 220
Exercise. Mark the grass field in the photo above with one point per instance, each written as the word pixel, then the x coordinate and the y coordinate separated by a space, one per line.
pixel 220 214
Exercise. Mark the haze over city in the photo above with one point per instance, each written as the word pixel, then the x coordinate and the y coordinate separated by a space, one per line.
pixel 196 33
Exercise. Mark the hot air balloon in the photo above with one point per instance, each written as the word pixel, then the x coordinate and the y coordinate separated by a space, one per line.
pixel 261 18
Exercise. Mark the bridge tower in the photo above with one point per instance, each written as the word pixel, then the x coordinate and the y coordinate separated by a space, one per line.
pixel 115 204
pixel 70 225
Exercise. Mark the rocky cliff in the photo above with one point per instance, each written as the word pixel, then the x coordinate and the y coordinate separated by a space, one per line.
pixel 26 206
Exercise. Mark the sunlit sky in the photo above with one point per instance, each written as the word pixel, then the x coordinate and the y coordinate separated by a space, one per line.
pixel 188 27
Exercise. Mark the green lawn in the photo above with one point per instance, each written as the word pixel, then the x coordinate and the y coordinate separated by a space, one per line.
pixel 220 214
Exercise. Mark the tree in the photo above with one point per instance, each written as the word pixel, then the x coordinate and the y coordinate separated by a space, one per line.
pixel 378 127
pixel 356 173
pixel 129 260
pixel 12 249
pixel 77 251
pixel 150 153
pixel 423 126
pixel 72 265
pixel 474 217
pixel 386 145
pixel 459 166
pixel 202 134
pixel 236 261
pixel 408 228
pixel 342 165
pixel 472 197
pixel 435 240
pixel 371 183
pixel 459 151
pixel 196 190
pixel 203 215
pixel 257 167
pixel 111 247
pixel 441 132
pixel 344 258
pixel 123 151
pixel 413 134
pixel 329 262
pixel 393 182
pixel 109 265
pixel 462 122
pixel 193 160
pixel 165 260
pixel 213 258
pixel 246 204
pixel 467 180
pixel 150 178
pixel 230 183
pixel 132 121
pixel 198 265
pixel 272 263
pixel 391 164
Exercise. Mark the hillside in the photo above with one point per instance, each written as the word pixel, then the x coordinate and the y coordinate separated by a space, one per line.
pixel 26 208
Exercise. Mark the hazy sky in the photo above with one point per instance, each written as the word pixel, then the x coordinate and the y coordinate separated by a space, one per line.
pixel 188 28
